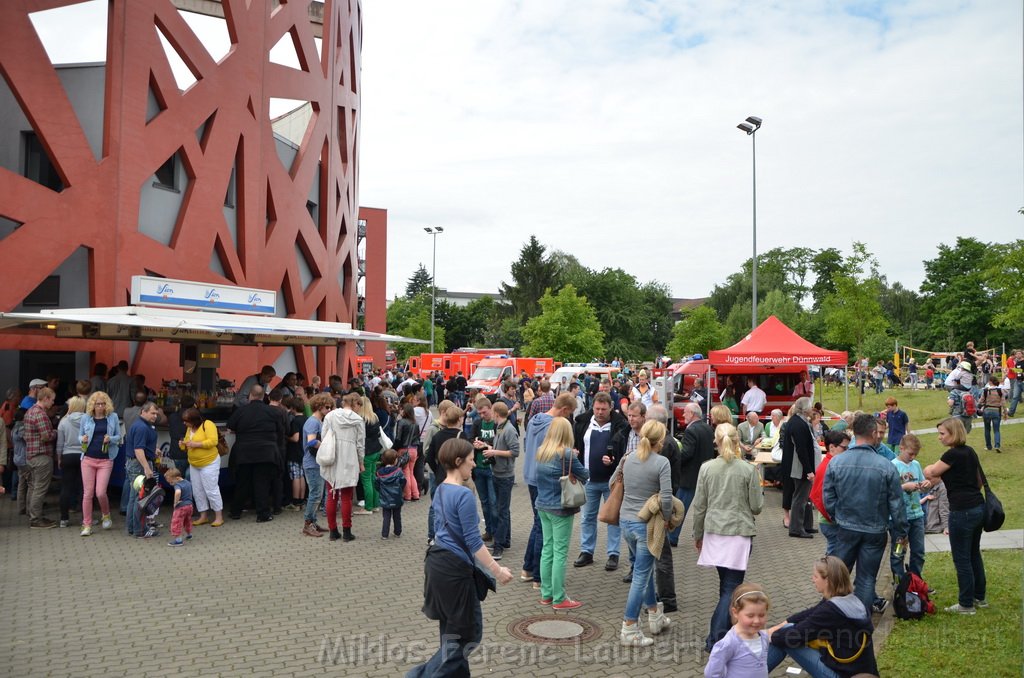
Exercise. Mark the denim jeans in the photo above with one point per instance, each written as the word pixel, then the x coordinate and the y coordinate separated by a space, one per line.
pixel 1015 394
pixel 808 658
pixel 484 479
pixel 641 590
pixel 828 530
pixel 452 658
pixel 965 544
pixel 132 470
pixel 863 550
pixel 503 511
pixel 991 418
pixel 315 483
pixel 685 495
pixel 728 580
pixel 535 542
pixel 596 492
pixel 915 533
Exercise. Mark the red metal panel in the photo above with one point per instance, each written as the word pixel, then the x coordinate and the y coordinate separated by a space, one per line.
pixel 99 208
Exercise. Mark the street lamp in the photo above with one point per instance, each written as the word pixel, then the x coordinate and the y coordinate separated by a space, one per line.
pixel 433 281
pixel 751 125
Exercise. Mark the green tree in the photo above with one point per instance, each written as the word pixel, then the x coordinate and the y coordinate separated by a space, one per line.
pixel 777 269
pixel 419 283
pixel 468 325
pixel 1006 276
pixel 699 332
pixel 411 318
pixel 902 308
pixel 877 346
pixel 780 305
pixel 566 329
pixel 533 273
pixel 853 312
pixel 636 319
pixel 824 264
pixel 958 302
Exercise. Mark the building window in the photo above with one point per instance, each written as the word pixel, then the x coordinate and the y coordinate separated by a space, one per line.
pixel 167 174
pixel 38 167
pixel 46 295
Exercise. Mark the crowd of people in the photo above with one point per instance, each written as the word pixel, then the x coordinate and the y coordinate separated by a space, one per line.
pixel 384 439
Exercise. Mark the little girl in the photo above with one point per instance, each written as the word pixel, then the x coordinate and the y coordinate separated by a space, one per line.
pixel 743 651
pixel 182 516
pixel 390 484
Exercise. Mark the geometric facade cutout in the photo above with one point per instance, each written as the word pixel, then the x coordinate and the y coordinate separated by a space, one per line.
pixel 160 210
pixel 212 32
pixel 73 34
pixel 288 53
pixel 183 75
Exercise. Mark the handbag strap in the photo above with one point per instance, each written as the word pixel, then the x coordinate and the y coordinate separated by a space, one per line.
pixel 981 472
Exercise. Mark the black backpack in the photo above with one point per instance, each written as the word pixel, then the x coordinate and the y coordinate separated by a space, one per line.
pixel 910 601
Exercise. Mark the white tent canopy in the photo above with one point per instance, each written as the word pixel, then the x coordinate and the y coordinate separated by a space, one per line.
pixel 140 323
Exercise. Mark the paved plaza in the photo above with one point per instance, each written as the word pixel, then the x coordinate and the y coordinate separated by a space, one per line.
pixel 263 600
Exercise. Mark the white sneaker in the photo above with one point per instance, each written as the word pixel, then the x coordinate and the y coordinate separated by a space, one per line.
pixel 980 603
pixel 658 621
pixel 632 636
pixel 86 530
pixel 107 522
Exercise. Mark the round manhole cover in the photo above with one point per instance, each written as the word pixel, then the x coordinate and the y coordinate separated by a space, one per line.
pixel 554 629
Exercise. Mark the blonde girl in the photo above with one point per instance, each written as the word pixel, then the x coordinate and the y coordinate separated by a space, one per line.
pixel 101 437
pixel 744 649
pixel 556 458
pixel 727 498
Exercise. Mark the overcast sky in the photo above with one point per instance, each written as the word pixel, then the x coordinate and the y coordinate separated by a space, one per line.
pixel 608 129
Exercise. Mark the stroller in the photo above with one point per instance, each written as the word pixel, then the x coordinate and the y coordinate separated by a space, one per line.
pixel 142 513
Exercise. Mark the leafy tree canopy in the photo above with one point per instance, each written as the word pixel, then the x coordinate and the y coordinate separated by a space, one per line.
pixel 566 329
pixel 699 332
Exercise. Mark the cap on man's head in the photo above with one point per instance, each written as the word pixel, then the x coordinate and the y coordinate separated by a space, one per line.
pixel 36 383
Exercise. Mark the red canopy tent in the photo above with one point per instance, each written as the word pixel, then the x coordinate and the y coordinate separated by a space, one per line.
pixel 773 343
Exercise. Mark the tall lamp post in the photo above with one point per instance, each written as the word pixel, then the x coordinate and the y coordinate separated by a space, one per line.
pixel 433 281
pixel 750 126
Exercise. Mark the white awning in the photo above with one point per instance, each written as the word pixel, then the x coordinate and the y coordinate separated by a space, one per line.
pixel 140 323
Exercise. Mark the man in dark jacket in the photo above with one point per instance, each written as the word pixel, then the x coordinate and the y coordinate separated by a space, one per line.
pixel 698 446
pixel 799 445
pixel 259 437
pixel 593 433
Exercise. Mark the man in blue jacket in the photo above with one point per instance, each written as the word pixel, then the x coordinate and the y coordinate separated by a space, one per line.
pixel 862 493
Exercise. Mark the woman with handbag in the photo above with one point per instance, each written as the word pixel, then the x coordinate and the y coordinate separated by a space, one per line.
pixel 728 497
pixel 642 474
pixel 200 443
pixel 452 586
pixel 960 471
pixel 556 460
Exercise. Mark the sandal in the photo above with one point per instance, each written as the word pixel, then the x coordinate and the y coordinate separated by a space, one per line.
pixel 202 521
pixel 216 523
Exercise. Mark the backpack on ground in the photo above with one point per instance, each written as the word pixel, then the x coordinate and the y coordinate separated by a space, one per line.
pixel 910 601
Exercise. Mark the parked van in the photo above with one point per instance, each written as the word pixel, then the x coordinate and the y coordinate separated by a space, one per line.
pixel 491 372
pixel 561 377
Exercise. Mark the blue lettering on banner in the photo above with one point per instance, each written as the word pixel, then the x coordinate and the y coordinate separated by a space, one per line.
pixel 254 299
pixel 164 290
pixel 212 295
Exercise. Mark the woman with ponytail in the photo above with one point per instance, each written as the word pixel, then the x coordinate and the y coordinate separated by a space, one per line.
pixel 727 498
pixel 643 473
